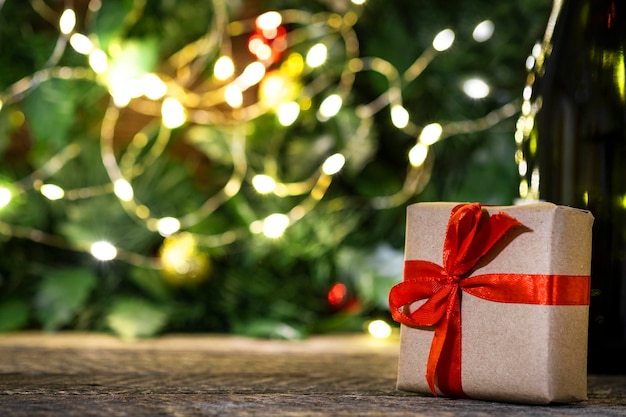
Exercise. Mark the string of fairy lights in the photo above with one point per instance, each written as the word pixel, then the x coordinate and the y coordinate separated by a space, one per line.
pixel 525 141
pixel 278 80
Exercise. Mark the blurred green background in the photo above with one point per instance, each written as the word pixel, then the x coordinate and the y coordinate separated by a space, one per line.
pixel 87 156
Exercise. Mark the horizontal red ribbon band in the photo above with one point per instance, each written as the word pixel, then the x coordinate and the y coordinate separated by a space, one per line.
pixel 500 288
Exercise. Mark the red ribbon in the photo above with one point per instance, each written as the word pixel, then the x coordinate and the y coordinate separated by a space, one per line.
pixel 471 233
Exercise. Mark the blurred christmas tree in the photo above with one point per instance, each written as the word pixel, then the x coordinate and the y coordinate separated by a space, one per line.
pixel 240 166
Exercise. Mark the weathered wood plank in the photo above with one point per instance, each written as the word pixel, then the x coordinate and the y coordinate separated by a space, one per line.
pixel 96 375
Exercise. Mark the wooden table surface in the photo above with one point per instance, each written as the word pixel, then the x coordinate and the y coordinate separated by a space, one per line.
pixel 97 375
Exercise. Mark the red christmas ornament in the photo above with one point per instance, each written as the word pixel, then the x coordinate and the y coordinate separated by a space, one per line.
pixel 337 294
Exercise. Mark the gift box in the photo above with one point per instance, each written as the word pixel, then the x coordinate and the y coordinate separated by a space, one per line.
pixel 494 303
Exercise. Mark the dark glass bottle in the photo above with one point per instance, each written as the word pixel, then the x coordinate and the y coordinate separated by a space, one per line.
pixel 572 150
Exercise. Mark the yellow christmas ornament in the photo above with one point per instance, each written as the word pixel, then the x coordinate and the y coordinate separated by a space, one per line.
pixel 183 264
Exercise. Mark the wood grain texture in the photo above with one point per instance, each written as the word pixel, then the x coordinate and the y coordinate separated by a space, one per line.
pixel 96 375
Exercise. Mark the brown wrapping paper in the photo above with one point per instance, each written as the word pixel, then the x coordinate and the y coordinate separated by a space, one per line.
pixel 510 352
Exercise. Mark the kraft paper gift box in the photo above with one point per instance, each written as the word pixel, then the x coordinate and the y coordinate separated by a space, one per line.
pixel 534 351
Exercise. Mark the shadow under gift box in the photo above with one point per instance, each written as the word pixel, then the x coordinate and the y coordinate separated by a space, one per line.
pixel 525 353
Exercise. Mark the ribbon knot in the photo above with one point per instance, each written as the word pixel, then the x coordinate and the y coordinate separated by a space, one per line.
pixel 471 233
pixel 453 280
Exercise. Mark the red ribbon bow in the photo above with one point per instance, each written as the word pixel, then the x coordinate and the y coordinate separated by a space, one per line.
pixel 471 233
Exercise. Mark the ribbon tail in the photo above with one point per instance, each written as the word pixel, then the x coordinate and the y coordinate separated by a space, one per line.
pixel 444 361
pixel 436 348
pixel 449 370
